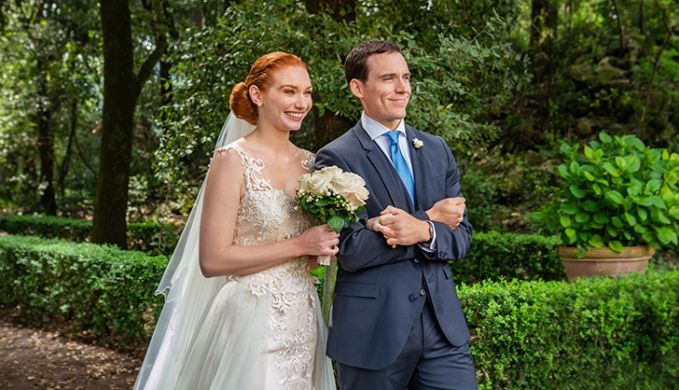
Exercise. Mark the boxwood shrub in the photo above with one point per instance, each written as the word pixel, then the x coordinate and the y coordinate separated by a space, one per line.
pixel 103 292
pixel 151 237
pixel 593 333
pixel 495 255
pixel 598 333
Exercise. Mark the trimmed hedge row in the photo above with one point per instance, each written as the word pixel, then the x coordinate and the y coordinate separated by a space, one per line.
pixel 105 292
pixel 599 333
pixel 493 255
pixel 594 333
pixel 151 237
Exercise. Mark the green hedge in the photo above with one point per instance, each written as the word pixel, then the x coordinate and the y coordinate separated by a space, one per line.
pixel 103 292
pixel 151 237
pixel 592 334
pixel 495 255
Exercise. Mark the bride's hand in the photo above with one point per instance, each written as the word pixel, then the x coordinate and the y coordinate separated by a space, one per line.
pixel 319 240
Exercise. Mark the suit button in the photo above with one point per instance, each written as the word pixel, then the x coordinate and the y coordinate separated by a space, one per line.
pixel 412 297
pixel 415 261
pixel 422 292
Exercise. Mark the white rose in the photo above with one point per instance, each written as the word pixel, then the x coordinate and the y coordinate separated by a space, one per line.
pixel 352 188
pixel 316 183
pixel 304 183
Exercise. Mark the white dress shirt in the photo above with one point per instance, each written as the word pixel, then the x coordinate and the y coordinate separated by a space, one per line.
pixel 376 132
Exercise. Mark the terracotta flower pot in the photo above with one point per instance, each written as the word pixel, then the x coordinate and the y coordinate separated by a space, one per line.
pixel 604 261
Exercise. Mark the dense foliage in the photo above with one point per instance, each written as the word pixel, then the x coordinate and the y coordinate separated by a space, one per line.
pixel 457 76
pixel 504 82
pixel 617 192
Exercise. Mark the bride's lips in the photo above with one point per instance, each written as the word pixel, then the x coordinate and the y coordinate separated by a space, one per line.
pixel 295 116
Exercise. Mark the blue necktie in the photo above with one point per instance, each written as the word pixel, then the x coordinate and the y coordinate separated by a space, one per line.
pixel 400 163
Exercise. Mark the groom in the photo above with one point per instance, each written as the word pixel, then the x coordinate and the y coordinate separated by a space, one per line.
pixel 396 320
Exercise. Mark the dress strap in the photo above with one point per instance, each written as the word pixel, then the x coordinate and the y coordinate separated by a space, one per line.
pixel 254 179
pixel 308 161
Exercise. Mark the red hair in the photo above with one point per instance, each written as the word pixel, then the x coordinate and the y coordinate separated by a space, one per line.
pixel 260 76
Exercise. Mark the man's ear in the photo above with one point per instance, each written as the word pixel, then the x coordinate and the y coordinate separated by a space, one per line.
pixel 255 95
pixel 356 87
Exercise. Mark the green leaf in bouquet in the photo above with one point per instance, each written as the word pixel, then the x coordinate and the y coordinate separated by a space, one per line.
pixel 336 223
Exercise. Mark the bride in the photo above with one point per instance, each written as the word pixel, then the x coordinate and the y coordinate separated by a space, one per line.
pixel 241 310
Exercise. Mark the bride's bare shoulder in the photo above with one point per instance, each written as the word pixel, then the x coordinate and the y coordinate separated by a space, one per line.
pixel 227 158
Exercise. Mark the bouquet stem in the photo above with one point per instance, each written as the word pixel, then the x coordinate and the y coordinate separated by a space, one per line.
pixel 329 290
pixel 324 260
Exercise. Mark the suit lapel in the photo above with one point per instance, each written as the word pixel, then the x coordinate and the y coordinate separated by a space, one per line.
pixel 386 172
pixel 420 168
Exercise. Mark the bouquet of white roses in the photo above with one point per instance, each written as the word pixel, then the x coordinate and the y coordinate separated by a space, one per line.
pixel 332 196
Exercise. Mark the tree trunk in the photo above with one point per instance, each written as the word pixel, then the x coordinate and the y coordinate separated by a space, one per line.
pixel 121 90
pixel 48 202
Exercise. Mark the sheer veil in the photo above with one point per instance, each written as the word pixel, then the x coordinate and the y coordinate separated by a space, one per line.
pixel 187 292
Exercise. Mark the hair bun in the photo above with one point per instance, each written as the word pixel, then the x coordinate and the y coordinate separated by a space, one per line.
pixel 241 104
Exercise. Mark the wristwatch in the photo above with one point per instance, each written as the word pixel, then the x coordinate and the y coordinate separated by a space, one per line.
pixel 431 233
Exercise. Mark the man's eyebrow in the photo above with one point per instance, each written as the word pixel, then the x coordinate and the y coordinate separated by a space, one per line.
pixel 392 74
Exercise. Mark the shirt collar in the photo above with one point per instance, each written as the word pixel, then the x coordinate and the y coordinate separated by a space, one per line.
pixel 376 129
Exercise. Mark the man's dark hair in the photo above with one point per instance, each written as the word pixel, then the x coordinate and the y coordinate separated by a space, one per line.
pixel 356 63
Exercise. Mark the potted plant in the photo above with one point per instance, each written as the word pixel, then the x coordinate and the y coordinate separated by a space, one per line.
pixel 619 202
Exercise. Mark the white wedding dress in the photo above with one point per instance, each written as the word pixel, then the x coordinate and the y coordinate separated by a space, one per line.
pixel 259 331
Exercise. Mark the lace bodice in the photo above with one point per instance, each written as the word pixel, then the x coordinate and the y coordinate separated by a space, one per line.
pixel 266 215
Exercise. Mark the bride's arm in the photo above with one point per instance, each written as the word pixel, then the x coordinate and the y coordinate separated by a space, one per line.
pixel 218 255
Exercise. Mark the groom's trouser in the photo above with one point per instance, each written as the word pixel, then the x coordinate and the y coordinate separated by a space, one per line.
pixel 428 361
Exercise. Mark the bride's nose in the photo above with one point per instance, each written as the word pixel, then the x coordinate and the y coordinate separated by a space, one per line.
pixel 303 102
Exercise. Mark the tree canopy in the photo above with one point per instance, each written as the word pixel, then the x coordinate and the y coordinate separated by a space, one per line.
pixel 502 81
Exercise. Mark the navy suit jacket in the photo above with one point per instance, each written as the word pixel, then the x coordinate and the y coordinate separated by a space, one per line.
pixel 378 293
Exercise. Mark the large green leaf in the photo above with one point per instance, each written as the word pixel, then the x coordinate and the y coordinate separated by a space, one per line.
pixel 666 235
pixel 565 221
pixel 633 164
pixel 652 186
pixel 608 167
pixel 581 217
pixel 576 191
pixel 616 246
pixel 590 205
pixel 569 208
pixel 653 201
pixel 572 236
pixel 642 213
pixel 615 197
pixel 604 137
